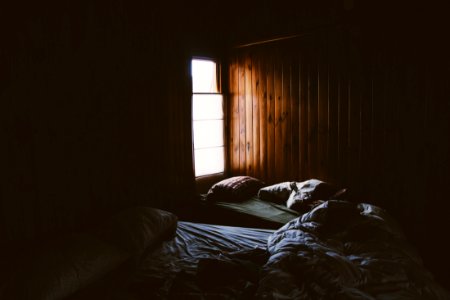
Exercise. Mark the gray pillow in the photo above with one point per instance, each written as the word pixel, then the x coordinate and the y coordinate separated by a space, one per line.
pixel 310 193
pixel 277 193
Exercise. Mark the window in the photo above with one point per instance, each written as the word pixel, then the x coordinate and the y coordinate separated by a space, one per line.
pixel 207 118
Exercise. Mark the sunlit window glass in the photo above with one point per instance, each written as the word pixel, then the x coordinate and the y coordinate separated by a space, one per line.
pixel 209 161
pixel 207 119
pixel 204 76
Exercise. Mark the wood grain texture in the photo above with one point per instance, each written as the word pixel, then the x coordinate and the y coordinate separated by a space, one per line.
pixel 344 110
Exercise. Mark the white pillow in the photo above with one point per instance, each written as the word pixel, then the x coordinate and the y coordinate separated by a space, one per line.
pixel 277 193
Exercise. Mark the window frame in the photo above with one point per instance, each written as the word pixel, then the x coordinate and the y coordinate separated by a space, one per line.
pixel 205 181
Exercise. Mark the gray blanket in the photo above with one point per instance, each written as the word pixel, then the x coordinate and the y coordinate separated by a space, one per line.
pixel 342 250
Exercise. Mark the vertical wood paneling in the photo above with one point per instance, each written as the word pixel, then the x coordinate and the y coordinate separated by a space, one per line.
pixel 242 116
pixel 322 110
pixel 295 119
pixel 312 113
pixel 263 105
pixel 333 120
pixel 303 117
pixel 234 152
pixel 278 95
pixel 287 122
pixel 256 115
pixel 270 121
pixel 360 110
pixel 343 89
pixel 321 107
pixel 249 121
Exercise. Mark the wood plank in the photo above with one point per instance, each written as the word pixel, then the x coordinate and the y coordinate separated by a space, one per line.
pixel 365 167
pixel 332 151
pixel 354 118
pixel 380 123
pixel 286 119
pixel 343 87
pixel 270 121
pixel 322 110
pixel 278 106
pixel 242 113
pixel 263 99
pixel 312 111
pixel 256 102
pixel 248 116
pixel 234 116
pixel 295 118
pixel 303 126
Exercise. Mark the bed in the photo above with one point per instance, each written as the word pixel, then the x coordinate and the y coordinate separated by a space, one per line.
pixel 249 202
pixel 338 250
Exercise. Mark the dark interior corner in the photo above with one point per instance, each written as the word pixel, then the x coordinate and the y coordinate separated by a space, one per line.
pixel 95 107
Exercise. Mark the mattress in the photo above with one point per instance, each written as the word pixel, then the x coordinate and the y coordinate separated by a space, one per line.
pixel 252 212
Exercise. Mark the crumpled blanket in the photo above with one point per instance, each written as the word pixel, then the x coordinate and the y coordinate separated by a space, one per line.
pixel 229 275
pixel 343 250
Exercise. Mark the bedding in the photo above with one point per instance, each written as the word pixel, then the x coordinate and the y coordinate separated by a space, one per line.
pixel 271 207
pixel 276 193
pixel 310 193
pixel 234 189
pixel 200 262
pixel 339 250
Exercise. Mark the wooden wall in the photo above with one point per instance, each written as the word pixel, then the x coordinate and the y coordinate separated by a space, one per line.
pixel 297 110
pixel 90 121
pixel 348 106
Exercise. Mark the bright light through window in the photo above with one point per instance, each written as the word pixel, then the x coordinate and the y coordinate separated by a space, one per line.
pixel 208 134
pixel 207 107
pixel 207 119
pixel 204 76
pixel 209 161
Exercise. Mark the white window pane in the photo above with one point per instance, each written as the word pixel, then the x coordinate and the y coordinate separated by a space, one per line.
pixel 204 76
pixel 208 133
pixel 206 107
pixel 209 161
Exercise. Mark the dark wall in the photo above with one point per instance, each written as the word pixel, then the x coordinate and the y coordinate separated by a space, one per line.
pixel 402 46
pixel 91 95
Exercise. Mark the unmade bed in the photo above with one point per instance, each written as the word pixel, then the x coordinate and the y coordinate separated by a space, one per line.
pixel 338 250
pixel 188 266
pixel 204 261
